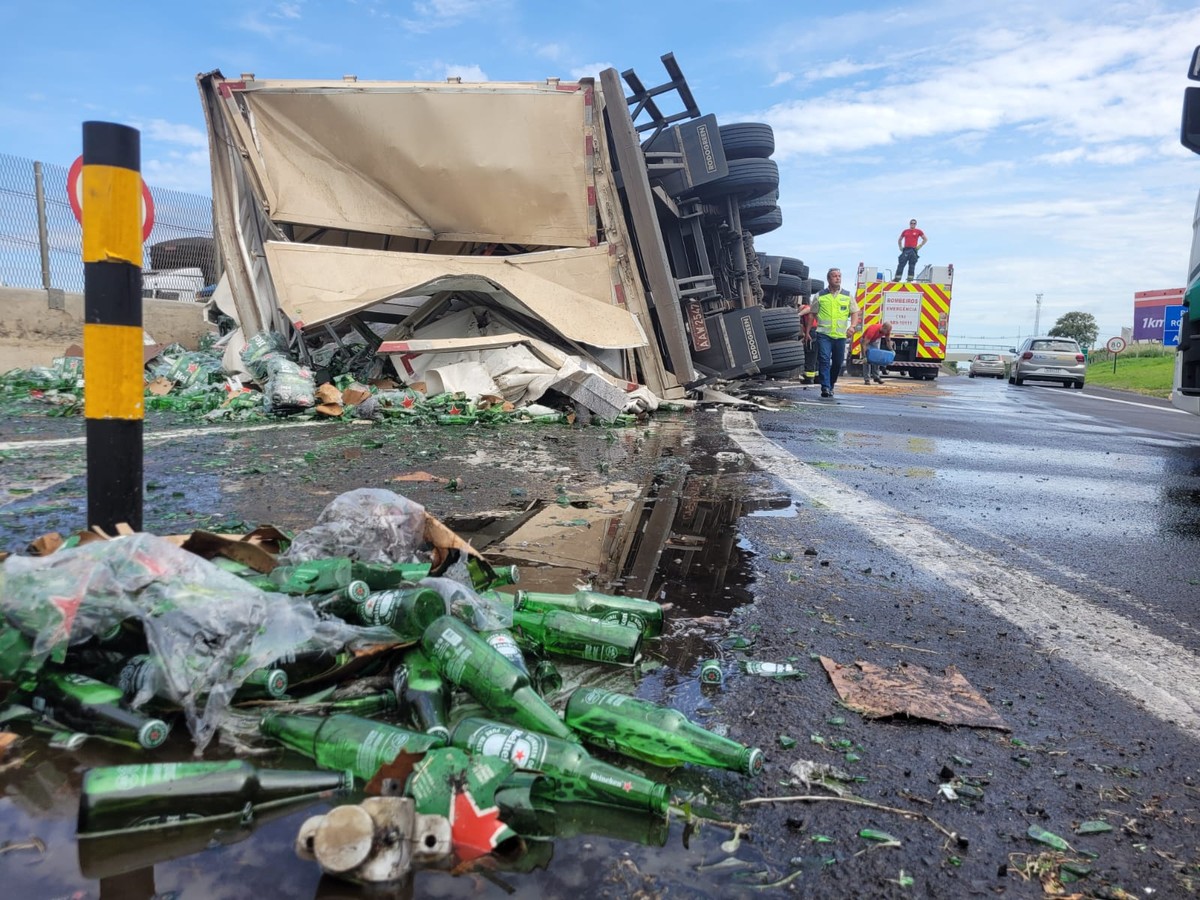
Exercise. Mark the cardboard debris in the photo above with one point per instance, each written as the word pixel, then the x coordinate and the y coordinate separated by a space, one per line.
pixel 581 538
pixel 910 690
pixel 355 394
pixel 160 386
pixel 329 400
pixel 46 544
pixel 420 476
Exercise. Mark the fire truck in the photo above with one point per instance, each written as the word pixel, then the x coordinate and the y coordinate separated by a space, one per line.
pixel 919 311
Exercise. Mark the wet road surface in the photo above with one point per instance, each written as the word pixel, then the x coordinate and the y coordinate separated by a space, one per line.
pixel 1036 539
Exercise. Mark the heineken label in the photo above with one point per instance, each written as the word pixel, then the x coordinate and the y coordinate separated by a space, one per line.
pixel 620 784
pixel 754 667
pixel 452 653
pixel 622 617
pixel 504 643
pixel 379 748
pixel 600 652
pixel 379 608
pixel 120 779
pixel 87 690
pixel 710 672
pixel 601 697
pixel 521 748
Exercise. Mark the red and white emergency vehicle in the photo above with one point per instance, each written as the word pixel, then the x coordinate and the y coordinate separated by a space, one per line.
pixel 919 311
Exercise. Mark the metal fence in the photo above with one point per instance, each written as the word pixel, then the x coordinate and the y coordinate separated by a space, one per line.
pixel 41 242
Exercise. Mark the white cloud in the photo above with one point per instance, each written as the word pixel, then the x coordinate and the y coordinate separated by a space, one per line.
pixel 288 10
pixel 429 15
pixel 466 73
pixel 782 78
pixel 590 70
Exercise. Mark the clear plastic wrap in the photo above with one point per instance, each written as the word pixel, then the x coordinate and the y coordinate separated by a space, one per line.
pixel 367 524
pixel 209 628
pixel 260 348
pixel 289 386
pixel 465 604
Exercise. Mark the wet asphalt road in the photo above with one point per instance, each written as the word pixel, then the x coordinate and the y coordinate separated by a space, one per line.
pixel 1040 540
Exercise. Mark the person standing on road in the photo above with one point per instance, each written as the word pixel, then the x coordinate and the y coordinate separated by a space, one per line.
pixel 837 314
pixel 910 241
pixel 873 338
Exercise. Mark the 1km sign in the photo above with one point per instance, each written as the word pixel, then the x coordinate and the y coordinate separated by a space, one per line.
pixel 75 195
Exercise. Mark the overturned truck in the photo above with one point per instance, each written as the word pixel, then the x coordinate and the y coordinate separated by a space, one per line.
pixel 435 222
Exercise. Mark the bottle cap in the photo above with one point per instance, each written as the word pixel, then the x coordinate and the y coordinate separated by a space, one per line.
pixel 277 683
pixel 153 733
pixel 357 591
pixel 754 761
pixel 439 731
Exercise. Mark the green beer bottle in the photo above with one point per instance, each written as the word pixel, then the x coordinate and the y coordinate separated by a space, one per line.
pixel 645 615
pixel 466 659
pixel 577 775
pixel 655 734
pixel 366 706
pixel 95 707
pixel 316 576
pixel 422 693
pixel 382 576
pixel 346 743
pixel 119 797
pixel 546 679
pixel 407 611
pixel 310 664
pixel 144 673
pixel 568 634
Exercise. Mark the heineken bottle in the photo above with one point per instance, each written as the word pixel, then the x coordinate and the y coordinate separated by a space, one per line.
pixel 568 634
pixel 94 707
pixel 144 674
pixel 407 611
pixel 646 615
pixel 119 797
pixel 466 659
pixel 654 734
pixel 309 664
pixel 346 743
pixel 526 809
pixel 245 572
pixel 316 576
pixel 575 773
pixel 367 705
pixel 383 576
pixel 422 693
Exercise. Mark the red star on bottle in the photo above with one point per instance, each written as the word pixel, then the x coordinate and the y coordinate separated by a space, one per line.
pixel 407 402
pixel 627 786
pixel 474 832
pixel 454 410
pixel 518 756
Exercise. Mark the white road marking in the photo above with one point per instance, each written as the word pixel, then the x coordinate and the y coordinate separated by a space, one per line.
pixel 1155 672
pixel 159 436
pixel 1170 409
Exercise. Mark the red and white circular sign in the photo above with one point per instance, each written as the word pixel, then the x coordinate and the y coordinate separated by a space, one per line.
pixel 75 196
pixel 1115 344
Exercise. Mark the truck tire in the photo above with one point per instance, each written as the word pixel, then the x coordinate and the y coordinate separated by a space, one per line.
pixel 793 266
pixel 747 178
pixel 747 140
pixel 785 356
pixel 757 206
pixel 815 285
pixel 789 286
pixel 765 223
pixel 781 323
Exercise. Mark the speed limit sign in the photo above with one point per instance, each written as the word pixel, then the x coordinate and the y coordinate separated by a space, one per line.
pixel 1115 344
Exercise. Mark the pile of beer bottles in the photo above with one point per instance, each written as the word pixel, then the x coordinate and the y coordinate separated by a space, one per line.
pixel 471 669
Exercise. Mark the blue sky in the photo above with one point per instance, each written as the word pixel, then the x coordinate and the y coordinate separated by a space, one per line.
pixel 1036 143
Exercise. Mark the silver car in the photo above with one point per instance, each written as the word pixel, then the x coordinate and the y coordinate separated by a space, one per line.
pixel 1049 359
pixel 986 364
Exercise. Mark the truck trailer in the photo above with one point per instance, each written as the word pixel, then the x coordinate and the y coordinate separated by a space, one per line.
pixel 577 213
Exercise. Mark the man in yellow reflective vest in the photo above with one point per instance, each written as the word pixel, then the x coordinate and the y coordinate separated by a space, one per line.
pixel 837 316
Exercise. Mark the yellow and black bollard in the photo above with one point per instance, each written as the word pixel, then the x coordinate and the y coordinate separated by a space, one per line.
pixel 112 330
